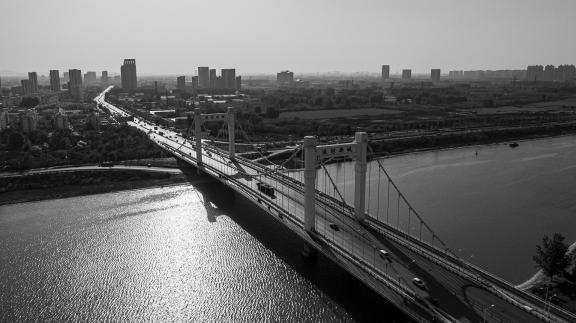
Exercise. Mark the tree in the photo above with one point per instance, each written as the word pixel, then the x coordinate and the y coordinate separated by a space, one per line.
pixel 15 141
pixel 551 256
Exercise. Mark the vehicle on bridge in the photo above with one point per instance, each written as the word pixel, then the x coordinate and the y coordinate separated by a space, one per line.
pixel 106 164
pixel 266 189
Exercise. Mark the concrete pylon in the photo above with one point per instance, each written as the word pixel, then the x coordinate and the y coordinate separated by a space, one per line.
pixel 198 135
pixel 231 135
pixel 309 183
pixel 361 140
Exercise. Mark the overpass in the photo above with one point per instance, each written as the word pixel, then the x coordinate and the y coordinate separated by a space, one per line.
pixel 386 247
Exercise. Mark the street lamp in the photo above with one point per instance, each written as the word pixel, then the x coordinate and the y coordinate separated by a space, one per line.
pixel 484 312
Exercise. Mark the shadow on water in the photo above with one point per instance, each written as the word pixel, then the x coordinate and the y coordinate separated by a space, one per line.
pixel 363 304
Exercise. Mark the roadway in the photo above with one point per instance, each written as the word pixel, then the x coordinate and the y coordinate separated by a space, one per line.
pixel 450 295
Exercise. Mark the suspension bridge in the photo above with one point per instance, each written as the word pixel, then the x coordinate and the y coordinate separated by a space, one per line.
pixel 372 231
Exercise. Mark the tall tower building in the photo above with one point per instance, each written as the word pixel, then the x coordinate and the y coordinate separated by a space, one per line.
pixel 195 82
pixel 90 78
pixel 435 75
pixel 66 77
pixel 229 77
pixel 75 84
pixel 104 77
pixel 55 80
pixel 406 74
pixel 213 78
pixel 204 77
pixel 33 78
pixel 181 83
pixel 285 77
pixel 128 75
pixel 26 87
pixel 385 72
pixel 238 83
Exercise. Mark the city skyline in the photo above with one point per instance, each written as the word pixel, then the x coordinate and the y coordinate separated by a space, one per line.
pixel 305 38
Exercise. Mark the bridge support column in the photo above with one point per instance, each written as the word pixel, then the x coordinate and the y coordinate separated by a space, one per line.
pixel 361 139
pixel 309 183
pixel 198 136
pixel 231 134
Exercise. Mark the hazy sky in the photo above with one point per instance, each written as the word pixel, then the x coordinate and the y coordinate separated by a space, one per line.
pixel 176 36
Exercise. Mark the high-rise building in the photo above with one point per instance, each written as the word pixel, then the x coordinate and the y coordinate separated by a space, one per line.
pixel 55 80
pixel 204 77
pixel 181 83
pixel 3 119
pixel 26 87
pixel 33 78
pixel 238 83
pixel 213 78
pixel 66 77
pixel 75 83
pixel 195 82
pixel 104 77
pixel 435 75
pixel 229 77
pixel 406 74
pixel 385 72
pixel 128 75
pixel 285 77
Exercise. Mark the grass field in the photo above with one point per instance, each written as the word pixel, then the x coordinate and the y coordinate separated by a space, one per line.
pixel 327 114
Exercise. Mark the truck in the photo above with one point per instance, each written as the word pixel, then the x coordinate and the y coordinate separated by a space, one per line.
pixel 266 189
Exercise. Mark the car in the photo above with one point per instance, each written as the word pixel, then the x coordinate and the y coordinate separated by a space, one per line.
pixel 148 165
pixel 334 226
pixel 384 255
pixel 419 283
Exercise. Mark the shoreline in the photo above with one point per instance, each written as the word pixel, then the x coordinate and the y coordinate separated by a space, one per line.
pixel 56 184
pixel 377 155
pixel 539 276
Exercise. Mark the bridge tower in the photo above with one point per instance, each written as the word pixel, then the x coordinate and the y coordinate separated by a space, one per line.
pixel 199 119
pixel 357 150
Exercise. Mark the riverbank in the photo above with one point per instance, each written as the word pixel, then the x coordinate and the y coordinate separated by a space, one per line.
pixel 61 183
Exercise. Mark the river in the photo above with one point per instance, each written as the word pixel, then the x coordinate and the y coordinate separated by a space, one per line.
pixel 185 253
pixel 490 204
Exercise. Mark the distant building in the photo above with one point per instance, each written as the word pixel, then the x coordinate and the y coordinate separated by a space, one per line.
pixel 385 72
pixel 55 80
pixel 195 82
pixel 213 78
pixel 406 74
pixel 61 121
pixel 435 75
pixel 229 77
pixel 238 83
pixel 26 87
pixel 181 83
pixel 66 77
pixel 3 119
pixel 33 78
pixel 285 77
pixel 90 78
pixel 128 75
pixel 29 121
pixel 75 84
pixel 204 77
pixel 456 75
pixel 104 77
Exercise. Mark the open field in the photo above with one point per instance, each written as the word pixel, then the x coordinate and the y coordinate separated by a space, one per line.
pixel 340 113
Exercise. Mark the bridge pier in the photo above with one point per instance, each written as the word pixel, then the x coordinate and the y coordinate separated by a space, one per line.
pixel 231 135
pixel 198 136
pixel 361 139
pixel 309 183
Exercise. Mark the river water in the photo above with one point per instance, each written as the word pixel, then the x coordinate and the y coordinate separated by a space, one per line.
pixel 187 253
pixel 192 253
pixel 490 204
